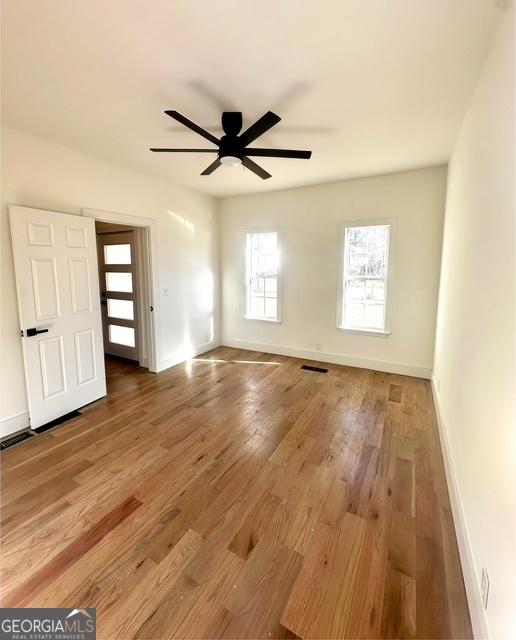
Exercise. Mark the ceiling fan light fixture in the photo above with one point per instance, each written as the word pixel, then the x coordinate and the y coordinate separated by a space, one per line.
pixel 231 161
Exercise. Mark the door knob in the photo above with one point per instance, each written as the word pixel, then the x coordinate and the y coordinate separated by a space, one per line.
pixel 34 331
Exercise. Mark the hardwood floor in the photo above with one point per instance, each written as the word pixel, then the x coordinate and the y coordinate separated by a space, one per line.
pixel 238 496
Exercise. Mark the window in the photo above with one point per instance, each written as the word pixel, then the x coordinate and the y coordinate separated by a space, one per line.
pixel 367 251
pixel 262 276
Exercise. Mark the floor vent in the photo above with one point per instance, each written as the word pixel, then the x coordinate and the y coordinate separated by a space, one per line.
pixel 57 421
pixel 19 437
pixel 308 367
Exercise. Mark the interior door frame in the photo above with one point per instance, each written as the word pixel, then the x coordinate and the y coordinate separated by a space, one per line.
pixel 148 255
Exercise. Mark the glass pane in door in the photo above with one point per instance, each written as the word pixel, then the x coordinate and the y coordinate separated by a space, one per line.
pixel 120 309
pixel 117 254
pixel 121 335
pixel 121 282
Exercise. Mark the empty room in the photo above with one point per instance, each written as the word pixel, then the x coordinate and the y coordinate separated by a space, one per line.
pixel 258 319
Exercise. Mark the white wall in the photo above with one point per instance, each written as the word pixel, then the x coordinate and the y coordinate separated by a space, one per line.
pixel 309 218
pixel 43 175
pixel 475 360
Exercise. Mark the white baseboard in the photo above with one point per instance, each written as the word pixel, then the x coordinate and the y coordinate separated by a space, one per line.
pixel 14 423
pixel 333 358
pixel 182 356
pixel 476 610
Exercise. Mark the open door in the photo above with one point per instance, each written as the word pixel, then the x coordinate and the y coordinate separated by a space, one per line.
pixel 119 294
pixel 55 263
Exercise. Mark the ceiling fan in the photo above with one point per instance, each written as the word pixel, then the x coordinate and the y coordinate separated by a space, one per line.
pixel 232 148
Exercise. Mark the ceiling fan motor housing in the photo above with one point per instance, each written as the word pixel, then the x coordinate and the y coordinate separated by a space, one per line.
pixel 230 145
pixel 232 122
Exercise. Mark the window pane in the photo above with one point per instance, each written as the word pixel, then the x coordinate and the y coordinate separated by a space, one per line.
pixel 270 264
pixel 257 309
pixel 354 314
pixel 271 308
pixel 122 282
pixel 355 290
pixel 367 250
pixel 120 309
pixel 117 254
pixel 121 335
pixel 268 242
pixel 271 287
pixel 376 291
pixel 374 315
pixel 258 287
pixel 364 304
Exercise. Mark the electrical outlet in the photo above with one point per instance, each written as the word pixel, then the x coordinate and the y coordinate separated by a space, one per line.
pixel 165 291
pixel 318 347
pixel 484 587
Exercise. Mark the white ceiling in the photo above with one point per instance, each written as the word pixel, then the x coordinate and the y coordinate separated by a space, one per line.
pixel 370 86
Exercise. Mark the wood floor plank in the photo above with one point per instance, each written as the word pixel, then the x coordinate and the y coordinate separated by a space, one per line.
pixel 255 525
pixel 261 591
pixel 399 608
pixel 320 600
pixel 402 543
pixel 209 597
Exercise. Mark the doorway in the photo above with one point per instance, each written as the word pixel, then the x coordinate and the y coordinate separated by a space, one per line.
pixel 127 258
pixel 123 292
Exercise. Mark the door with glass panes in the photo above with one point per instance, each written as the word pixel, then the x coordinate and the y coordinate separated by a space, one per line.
pixel 118 290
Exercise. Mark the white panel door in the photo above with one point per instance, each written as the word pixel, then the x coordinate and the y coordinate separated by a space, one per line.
pixel 55 261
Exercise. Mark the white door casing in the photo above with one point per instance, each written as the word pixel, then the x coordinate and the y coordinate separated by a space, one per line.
pixel 55 262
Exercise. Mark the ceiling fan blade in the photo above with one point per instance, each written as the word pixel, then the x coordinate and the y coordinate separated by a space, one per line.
pixel 279 153
pixel 211 168
pixel 191 125
pixel 232 122
pixel 257 129
pixel 183 150
pixel 255 168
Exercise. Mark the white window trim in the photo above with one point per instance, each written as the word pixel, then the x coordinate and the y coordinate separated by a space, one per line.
pixel 246 232
pixel 389 294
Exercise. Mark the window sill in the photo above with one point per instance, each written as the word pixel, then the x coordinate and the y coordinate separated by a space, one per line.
pixel 269 320
pixel 366 332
